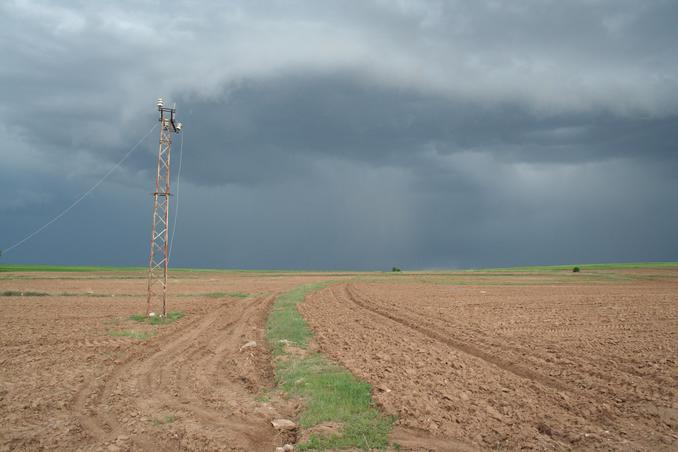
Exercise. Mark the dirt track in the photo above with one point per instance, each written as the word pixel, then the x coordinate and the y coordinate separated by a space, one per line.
pixel 197 374
pixel 66 383
pixel 546 367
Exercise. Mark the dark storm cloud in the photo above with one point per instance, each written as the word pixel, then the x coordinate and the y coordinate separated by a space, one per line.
pixel 348 134
pixel 268 130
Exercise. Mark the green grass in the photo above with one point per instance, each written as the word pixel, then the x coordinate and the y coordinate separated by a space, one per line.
pixel 95 295
pixel 93 268
pixel 24 293
pixel 163 421
pixel 220 295
pixel 330 392
pixel 583 267
pixel 62 268
pixel 157 320
pixel 17 293
pixel 285 323
pixel 141 335
pixel 16 268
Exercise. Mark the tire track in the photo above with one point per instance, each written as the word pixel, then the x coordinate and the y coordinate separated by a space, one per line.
pixel 464 347
pixel 599 378
pixel 196 354
pixel 183 376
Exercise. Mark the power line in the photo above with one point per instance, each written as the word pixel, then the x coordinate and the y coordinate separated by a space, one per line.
pixel 82 197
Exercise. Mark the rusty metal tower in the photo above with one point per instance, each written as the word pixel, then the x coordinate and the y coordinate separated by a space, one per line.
pixel 158 262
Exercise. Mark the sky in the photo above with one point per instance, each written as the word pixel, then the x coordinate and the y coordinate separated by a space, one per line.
pixel 347 134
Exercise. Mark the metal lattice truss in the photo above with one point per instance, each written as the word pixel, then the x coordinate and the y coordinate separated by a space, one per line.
pixel 159 259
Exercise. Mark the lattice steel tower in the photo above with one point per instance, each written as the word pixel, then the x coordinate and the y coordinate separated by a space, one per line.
pixel 159 260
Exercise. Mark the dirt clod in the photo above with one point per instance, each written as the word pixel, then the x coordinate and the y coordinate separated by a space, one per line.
pixel 283 424
pixel 249 344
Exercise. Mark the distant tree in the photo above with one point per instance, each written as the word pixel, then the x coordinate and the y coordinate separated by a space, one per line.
pixel 395 269
pixel 576 270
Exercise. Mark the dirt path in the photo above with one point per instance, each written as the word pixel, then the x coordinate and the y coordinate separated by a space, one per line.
pixel 198 374
pixel 456 372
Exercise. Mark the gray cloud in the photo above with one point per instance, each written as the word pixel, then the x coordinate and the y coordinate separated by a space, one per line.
pixel 357 134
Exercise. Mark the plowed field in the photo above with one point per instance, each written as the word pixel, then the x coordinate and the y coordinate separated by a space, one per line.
pixel 465 361
pixel 513 363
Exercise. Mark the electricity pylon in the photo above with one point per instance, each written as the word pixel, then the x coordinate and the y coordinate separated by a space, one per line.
pixel 159 260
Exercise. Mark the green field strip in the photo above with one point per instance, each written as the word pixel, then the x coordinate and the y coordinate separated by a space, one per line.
pixel 330 392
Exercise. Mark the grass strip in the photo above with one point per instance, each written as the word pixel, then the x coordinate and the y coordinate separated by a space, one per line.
pixel 141 335
pixel 63 268
pixel 557 268
pixel 218 295
pixel 158 320
pixel 24 293
pixel 285 324
pixel 17 293
pixel 330 392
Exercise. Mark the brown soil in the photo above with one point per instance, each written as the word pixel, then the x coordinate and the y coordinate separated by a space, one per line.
pixel 585 362
pixel 66 383
pixel 534 366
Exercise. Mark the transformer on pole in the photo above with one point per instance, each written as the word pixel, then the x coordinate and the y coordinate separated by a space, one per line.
pixel 159 260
